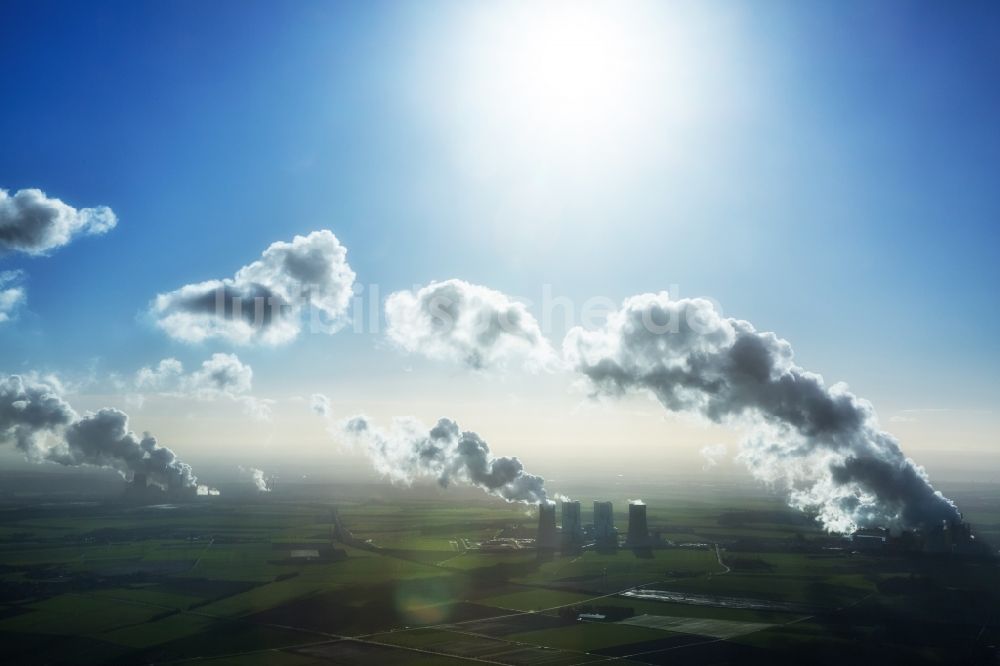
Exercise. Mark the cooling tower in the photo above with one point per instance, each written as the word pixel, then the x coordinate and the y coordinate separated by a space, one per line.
pixel 604 524
pixel 572 528
pixel 547 537
pixel 638 530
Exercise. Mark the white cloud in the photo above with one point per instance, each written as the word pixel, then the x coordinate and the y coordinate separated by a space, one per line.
pixel 265 302
pixel 167 373
pixel 35 224
pixel 12 295
pixel 465 323
pixel 223 376
pixel 320 404
pixel 222 373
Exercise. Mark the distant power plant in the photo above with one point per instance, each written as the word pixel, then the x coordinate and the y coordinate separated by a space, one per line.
pixel 141 490
pixel 638 531
pixel 573 534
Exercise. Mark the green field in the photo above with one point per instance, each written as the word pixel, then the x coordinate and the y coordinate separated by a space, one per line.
pixel 220 581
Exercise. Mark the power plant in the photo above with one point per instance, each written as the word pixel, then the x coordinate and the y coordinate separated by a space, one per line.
pixel 142 490
pixel 573 534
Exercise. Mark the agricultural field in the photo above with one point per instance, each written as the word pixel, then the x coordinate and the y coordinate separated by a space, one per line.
pixel 354 580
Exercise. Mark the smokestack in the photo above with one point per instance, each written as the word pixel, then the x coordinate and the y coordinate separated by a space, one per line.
pixel 572 530
pixel 546 539
pixel 638 531
pixel 604 525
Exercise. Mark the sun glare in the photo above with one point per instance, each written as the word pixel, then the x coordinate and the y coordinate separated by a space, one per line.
pixel 550 93
pixel 566 72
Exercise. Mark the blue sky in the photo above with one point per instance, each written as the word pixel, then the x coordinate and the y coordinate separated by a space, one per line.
pixel 824 170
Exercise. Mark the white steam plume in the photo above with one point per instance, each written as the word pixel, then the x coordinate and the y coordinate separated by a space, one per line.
pixel 36 419
pixel 713 454
pixel 821 443
pixel 256 476
pixel 409 450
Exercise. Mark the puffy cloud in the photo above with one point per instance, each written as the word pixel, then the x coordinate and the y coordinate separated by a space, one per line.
pixel 466 323
pixel 821 442
pixel 34 223
pixel 320 404
pixel 409 451
pixel 167 374
pixel 31 411
pixel 221 376
pixel 222 373
pixel 11 294
pixel 266 300
pixel 35 417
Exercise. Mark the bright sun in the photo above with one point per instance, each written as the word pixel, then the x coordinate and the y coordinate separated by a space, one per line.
pixel 549 104
pixel 562 73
